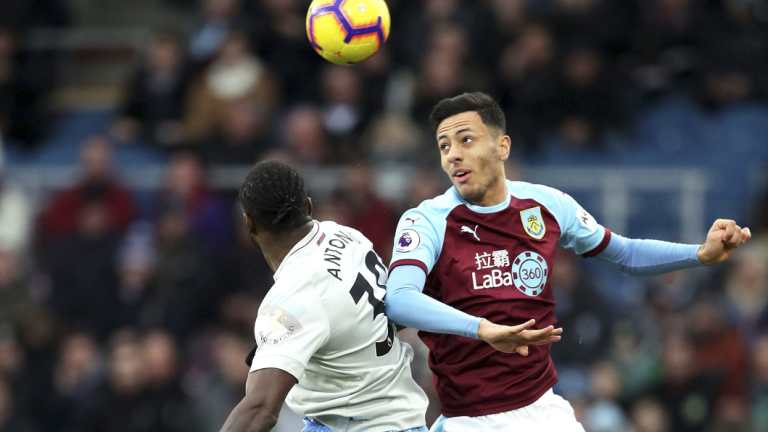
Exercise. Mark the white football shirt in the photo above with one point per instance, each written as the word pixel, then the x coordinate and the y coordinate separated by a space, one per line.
pixel 323 322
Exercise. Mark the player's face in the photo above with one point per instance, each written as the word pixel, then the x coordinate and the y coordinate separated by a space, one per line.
pixel 473 156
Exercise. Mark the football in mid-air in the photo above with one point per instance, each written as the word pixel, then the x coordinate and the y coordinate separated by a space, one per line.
pixel 347 31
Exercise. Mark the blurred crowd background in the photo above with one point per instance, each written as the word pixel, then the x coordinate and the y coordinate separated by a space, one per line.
pixel 128 288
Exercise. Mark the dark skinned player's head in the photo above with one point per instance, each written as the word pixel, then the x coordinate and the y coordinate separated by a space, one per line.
pixel 273 199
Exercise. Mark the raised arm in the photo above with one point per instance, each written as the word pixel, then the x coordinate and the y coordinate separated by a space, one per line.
pixel 650 257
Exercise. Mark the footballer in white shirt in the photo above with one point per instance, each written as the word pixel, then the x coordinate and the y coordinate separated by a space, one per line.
pixel 324 345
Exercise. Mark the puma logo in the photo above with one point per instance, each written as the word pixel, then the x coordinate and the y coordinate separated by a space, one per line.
pixel 466 229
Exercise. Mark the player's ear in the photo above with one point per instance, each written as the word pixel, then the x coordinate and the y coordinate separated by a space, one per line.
pixel 249 224
pixel 504 147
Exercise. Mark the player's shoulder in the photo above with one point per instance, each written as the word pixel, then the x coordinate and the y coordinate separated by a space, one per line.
pixel 436 208
pixel 554 200
pixel 526 190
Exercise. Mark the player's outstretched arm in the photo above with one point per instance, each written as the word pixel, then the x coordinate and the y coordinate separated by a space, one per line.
pixel 651 257
pixel 724 237
pixel 265 393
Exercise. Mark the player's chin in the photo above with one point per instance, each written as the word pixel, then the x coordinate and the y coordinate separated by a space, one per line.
pixel 467 191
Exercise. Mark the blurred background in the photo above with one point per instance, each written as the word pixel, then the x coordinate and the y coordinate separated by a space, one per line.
pixel 128 288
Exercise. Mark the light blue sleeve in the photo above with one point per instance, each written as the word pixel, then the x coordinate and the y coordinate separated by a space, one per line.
pixel 418 238
pixel 580 232
pixel 649 257
pixel 408 306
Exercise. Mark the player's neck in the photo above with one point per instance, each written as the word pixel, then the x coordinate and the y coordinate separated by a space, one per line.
pixel 278 245
pixel 495 194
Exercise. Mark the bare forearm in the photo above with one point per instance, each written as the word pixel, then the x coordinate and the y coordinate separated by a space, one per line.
pixel 249 419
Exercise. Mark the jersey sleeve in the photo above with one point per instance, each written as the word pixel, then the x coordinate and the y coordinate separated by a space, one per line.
pixel 580 232
pixel 288 334
pixel 417 241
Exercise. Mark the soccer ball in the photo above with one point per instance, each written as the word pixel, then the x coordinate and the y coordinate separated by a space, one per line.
pixel 347 31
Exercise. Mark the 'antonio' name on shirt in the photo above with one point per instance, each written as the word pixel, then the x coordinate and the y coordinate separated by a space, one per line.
pixel 332 254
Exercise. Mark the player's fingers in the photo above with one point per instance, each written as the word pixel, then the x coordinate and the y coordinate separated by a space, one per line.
pixel 550 339
pixel 522 350
pixel 523 326
pixel 723 223
pixel 553 336
pixel 737 238
pixel 533 335
pixel 746 234
pixel 728 233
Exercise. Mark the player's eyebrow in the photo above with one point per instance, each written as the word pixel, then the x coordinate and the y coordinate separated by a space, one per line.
pixel 445 134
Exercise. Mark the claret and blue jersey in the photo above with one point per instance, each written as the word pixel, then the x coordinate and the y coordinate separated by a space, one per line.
pixel 493 262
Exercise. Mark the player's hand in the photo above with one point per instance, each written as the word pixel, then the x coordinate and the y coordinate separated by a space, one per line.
pixel 516 339
pixel 722 239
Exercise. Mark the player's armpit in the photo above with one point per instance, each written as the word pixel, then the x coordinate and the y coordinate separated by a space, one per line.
pixel 265 393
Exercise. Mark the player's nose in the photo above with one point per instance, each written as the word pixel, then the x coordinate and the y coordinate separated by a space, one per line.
pixel 454 154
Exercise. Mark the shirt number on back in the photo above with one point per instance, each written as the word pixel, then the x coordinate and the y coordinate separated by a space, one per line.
pixel 361 286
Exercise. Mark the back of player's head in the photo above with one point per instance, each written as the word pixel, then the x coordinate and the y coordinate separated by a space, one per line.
pixel 484 105
pixel 273 197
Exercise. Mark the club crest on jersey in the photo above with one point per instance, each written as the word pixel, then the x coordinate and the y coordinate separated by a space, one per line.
pixel 408 241
pixel 533 222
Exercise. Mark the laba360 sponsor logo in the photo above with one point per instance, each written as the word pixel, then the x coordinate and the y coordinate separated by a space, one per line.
pixel 528 271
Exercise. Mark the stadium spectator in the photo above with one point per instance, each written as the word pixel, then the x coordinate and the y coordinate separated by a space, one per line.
pixel 366 211
pixel 440 75
pixel 587 102
pixel 16 300
pixel 394 138
pixel 182 271
pixel 279 37
pixel 136 266
pixel 305 138
pixel 75 377
pixel 97 183
pixel 648 415
pixel 15 216
pixel 243 136
pixel 526 80
pixel 344 112
pixel 85 295
pixel 746 288
pixel 122 403
pixel 684 386
pixel 604 413
pixel 221 386
pixel 153 103
pixel 163 371
pixel 219 18
pixel 235 75
pixel 713 335
pixel 206 216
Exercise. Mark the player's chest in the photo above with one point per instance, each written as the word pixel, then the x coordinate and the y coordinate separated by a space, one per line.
pixel 506 254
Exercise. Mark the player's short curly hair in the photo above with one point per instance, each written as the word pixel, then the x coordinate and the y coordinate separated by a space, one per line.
pixel 488 109
pixel 273 197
